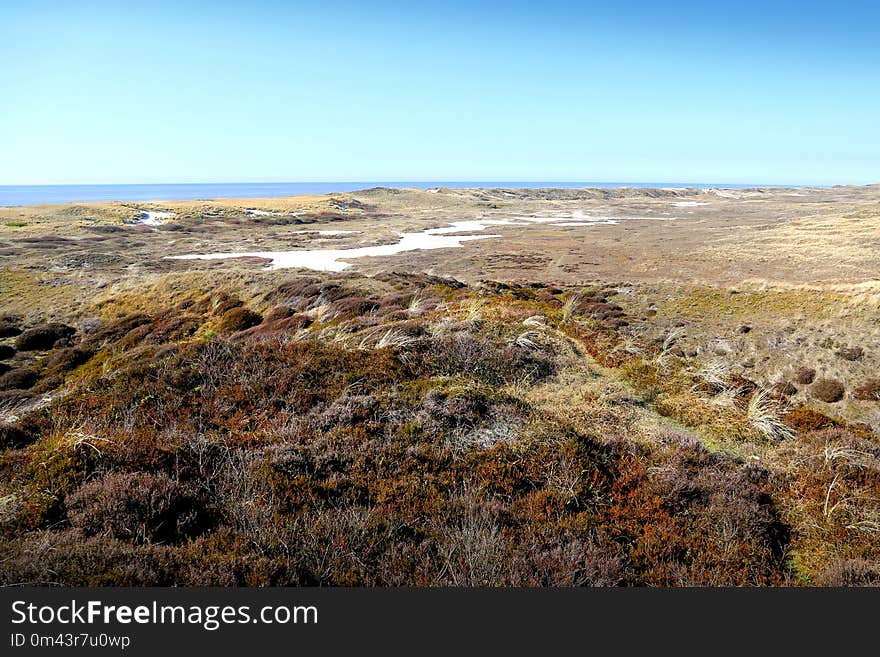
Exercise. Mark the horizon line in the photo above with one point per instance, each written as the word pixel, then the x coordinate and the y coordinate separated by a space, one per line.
pixel 621 183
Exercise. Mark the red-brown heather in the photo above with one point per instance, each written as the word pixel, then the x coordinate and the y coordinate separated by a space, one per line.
pixel 331 435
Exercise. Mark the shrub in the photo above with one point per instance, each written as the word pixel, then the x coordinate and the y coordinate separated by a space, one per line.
pixel 117 329
pixel 6 351
pixel 276 328
pixel 13 436
pixel 833 486
pixel 68 558
pixel 141 507
pixel 828 390
pixel 470 355
pixel 868 390
pixel 9 326
pixel 21 378
pixel 164 328
pixel 44 337
pixel 349 410
pixel 293 323
pixel 67 359
pixel 851 353
pixel 239 319
pixel 806 419
pixel 805 375
pixel 4 368
pixel 700 519
pixel 452 410
pixel 223 304
pixel 785 388
pixel 279 312
pixel 89 325
pixel 606 311
pixel 559 561
pixel 850 572
pixel 350 306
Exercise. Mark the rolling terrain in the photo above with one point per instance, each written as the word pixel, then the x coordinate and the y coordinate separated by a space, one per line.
pixel 602 387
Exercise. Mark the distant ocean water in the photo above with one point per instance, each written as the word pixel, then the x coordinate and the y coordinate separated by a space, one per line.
pixel 41 194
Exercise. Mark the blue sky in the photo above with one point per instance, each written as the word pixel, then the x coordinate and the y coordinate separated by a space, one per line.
pixel 747 92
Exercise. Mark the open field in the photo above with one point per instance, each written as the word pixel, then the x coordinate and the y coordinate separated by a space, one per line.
pixel 618 386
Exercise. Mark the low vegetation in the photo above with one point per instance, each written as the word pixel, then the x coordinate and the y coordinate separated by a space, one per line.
pixel 412 430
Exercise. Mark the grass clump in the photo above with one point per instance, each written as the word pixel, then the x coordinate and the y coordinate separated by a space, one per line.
pixel 764 414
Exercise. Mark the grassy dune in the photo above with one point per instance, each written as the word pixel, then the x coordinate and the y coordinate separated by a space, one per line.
pixel 217 424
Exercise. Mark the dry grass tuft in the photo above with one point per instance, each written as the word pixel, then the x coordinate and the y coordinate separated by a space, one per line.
pixel 765 415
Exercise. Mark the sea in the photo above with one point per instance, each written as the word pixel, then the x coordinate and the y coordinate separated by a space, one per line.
pixel 11 195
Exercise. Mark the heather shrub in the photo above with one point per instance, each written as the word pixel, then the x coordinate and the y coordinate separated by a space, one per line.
pixel 69 558
pixel 827 390
pixel 439 408
pixel 397 300
pixel 605 311
pixel 850 572
pixel 851 353
pixel 279 312
pixel 785 388
pixel 332 448
pixel 89 325
pixel 21 378
pixel 67 359
pixel 473 547
pixel 9 326
pixel 833 499
pixel 223 304
pixel 238 319
pixel 343 546
pixel 13 436
pixel 470 355
pixel 43 337
pixel 394 315
pixel 117 329
pixel 354 305
pixel 141 507
pixel 802 418
pixel 168 326
pixel 868 390
pixel 277 328
pixel 805 375
pixel 349 410
pixel 564 560
pixel 700 519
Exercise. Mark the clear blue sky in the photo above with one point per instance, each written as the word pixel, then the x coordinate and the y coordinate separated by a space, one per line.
pixel 123 92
